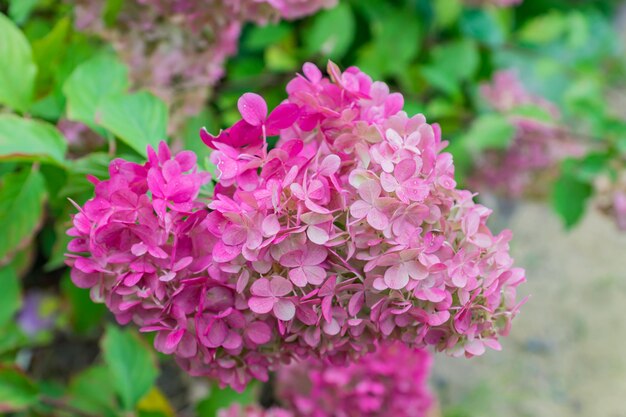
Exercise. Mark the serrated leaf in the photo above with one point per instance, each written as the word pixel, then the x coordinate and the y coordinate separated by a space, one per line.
pixel 332 32
pixel 10 297
pixel 18 69
pixel 131 364
pixel 17 391
pixel 22 198
pixel 91 83
pixel 569 198
pixel 30 140
pixel 138 119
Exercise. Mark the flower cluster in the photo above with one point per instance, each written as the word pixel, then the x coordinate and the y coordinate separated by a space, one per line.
pixel 348 232
pixel 539 145
pixel 498 3
pixel 389 382
pixel 178 48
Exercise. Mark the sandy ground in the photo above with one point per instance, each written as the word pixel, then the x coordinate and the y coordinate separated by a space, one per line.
pixel 566 355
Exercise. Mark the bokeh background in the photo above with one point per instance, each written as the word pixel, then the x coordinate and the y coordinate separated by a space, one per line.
pixel 547 154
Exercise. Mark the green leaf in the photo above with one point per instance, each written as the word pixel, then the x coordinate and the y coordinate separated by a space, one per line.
pixel 10 297
pixel 111 10
pixel 332 32
pixel 91 83
pixel 30 140
pixel 131 364
pixel 49 51
pixel 19 10
pixel 91 391
pixel 85 315
pixel 544 28
pixel 223 398
pixel 396 42
pixel 459 59
pixel 447 12
pixel 18 69
pixel 482 25
pixel 260 37
pixel 569 198
pixel 138 119
pixel 16 391
pixel 22 198
pixel 489 131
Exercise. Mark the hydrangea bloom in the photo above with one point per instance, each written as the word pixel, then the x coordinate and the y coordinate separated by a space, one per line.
pixel 178 48
pixel 349 231
pixel 392 381
pixel 237 410
pixel 536 149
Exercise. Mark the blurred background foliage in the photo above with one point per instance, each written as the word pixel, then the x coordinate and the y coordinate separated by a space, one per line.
pixel 61 354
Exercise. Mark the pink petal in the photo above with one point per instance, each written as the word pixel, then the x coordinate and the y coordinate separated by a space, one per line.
pixel 282 117
pixel 261 305
pixel 396 277
pixel 475 347
pixel 270 225
pixel 359 209
pixel 314 274
pixel 280 286
pixel 377 219
pixel 259 332
pixel 284 310
pixel 330 165
pixel 369 191
pixel 261 287
pixel 298 276
pixel 317 235
pixel 252 108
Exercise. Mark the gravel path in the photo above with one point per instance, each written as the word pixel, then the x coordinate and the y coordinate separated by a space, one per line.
pixel 566 355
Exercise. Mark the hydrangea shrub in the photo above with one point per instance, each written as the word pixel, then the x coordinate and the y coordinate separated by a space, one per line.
pixel 348 232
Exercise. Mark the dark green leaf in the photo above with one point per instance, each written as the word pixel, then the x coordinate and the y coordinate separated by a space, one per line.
pixel 26 139
pixel 85 315
pixel 22 197
pixel 131 364
pixel 17 68
pixel 569 198
pixel 10 297
pixel 138 119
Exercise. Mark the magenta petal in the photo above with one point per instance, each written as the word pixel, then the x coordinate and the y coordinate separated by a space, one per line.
pixel 283 116
pixel 284 310
pixel 259 332
pixel 252 108
pixel 261 305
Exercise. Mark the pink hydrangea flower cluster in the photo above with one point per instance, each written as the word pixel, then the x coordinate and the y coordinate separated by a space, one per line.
pixel 178 48
pixel 392 381
pixel 537 148
pixel 348 232
pixel 237 410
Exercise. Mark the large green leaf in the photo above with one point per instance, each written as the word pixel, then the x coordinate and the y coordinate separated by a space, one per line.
pixel 16 391
pixel 332 32
pixel 452 63
pixel 17 67
pixel 138 119
pixel 92 82
pixel 22 198
pixel 91 391
pixel 10 297
pixel 131 364
pixel 569 198
pixel 19 10
pixel 26 139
